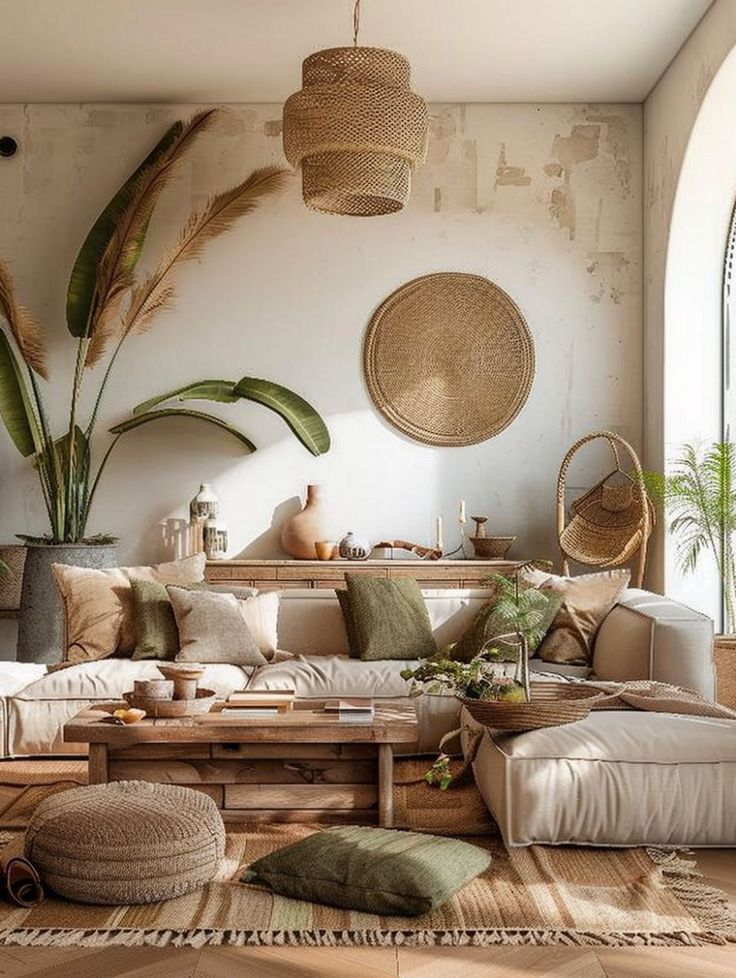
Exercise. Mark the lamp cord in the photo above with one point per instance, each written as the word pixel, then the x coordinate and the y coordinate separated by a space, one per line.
pixel 356 22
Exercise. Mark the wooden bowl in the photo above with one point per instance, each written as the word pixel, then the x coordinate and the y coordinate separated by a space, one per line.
pixel 492 548
pixel 170 709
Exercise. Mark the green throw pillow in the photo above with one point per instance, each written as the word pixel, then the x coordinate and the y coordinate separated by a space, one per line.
pixel 386 618
pixel 157 636
pixel 378 871
pixel 487 625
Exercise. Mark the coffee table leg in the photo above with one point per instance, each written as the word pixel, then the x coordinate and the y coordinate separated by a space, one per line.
pixel 97 765
pixel 386 785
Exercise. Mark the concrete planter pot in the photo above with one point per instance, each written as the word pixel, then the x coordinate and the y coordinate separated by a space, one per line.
pixel 41 624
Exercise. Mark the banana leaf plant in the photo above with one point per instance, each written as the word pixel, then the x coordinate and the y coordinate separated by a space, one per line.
pixel 107 303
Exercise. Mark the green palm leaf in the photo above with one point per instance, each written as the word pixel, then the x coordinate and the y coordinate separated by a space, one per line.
pixel 117 220
pixel 141 419
pixel 298 414
pixel 15 405
pixel 201 390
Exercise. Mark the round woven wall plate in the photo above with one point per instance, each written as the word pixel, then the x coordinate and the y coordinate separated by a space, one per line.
pixel 449 359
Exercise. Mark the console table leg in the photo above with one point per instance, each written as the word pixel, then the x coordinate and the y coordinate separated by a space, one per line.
pixel 97 765
pixel 386 785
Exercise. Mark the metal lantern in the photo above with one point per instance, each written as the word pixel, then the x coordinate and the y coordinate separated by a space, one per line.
pixel 356 129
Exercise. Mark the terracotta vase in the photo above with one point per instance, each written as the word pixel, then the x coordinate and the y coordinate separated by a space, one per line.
pixel 301 532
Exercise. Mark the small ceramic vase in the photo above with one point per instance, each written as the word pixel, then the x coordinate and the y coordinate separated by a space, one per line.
pixel 301 532
pixel 354 548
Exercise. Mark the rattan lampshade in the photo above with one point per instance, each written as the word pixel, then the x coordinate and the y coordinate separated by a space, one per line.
pixel 356 129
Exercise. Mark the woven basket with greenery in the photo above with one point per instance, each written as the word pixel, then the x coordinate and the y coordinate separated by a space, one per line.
pixel 551 705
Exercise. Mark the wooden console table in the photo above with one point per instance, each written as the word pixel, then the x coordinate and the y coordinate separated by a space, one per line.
pixel 280 574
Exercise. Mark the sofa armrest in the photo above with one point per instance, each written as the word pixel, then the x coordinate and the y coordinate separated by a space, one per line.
pixel 648 636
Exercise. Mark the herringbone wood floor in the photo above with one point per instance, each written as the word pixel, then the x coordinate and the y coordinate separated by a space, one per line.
pixel 527 962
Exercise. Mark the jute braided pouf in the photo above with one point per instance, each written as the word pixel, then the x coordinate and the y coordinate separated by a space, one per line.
pixel 126 842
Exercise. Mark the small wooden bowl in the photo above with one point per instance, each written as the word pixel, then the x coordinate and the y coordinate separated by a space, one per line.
pixel 170 709
pixel 492 548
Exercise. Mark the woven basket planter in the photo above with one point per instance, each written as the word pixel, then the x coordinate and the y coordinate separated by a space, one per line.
pixel 551 705
pixel 14 556
pixel 356 129
pixel 724 654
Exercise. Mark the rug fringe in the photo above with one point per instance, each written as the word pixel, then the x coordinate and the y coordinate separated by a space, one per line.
pixel 369 938
pixel 708 904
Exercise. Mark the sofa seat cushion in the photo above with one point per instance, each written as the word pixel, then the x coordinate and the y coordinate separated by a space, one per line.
pixel 335 675
pixel 617 778
pixel 108 679
pixel 15 676
pixel 36 714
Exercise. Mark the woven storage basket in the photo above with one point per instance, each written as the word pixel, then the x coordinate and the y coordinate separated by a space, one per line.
pixel 356 129
pixel 449 359
pixel 14 556
pixel 552 705
pixel 724 653
pixel 612 521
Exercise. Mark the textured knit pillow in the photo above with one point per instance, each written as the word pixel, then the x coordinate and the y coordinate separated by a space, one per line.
pixel 98 604
pixel 378 871
pixel 586 600
pixel 158 636
pixel 386 618
pixel 488 625
pixel 212 629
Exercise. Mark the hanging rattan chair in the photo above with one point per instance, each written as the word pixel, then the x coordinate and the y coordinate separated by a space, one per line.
pixel 611 522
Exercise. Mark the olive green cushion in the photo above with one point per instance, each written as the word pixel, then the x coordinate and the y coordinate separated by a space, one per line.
pixel 488 625
pixel 386 618
pixel 378 871
pixel 156 631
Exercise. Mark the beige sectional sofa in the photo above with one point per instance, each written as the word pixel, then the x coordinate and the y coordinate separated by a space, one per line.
pixel 615 778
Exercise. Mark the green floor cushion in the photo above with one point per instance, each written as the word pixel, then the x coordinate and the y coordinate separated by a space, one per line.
pixel 378 871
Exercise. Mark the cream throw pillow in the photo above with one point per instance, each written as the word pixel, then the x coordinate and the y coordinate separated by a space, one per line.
pixel 586 600
pixel 261 615
pixel 212 628
pixel 98 604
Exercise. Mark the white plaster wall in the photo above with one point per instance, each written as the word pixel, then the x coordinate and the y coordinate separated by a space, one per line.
pixel 690 184
pixel 544 199
pixel 677 413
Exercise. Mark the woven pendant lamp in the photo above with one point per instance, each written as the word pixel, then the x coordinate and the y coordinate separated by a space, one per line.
pixel 356 129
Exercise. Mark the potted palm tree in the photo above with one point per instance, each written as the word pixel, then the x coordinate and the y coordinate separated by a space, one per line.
pixel 107 304
pixel 699 495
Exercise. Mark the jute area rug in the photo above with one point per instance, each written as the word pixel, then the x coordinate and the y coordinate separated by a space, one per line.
pixel 538 895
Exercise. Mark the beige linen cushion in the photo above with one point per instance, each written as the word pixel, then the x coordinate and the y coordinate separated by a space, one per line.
pixel 261 614
pixel 98 604
pixel 212 628
pixel 586 600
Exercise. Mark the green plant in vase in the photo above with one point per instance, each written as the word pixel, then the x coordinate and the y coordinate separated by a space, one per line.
pixel 699 496
pixel 107 304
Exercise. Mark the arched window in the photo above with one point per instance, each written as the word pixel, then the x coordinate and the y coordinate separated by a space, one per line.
pixel 729 325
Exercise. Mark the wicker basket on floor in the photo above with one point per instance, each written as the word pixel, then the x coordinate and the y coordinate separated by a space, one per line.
pixel 551 705
pixel 724 654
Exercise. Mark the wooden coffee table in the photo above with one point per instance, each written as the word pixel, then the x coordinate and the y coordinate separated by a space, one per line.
pixel 304 765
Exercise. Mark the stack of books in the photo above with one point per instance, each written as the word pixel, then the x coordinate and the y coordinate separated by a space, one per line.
pixel 356 709
pixel 259 703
